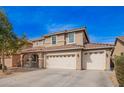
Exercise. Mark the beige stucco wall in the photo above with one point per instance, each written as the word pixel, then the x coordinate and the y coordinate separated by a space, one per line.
pixel 79 38
pixel 108 59
pixel 76 52
pixel 119 48
pixel 16 62
pixel 62 39
pixel 84 38
pixel 12 61
pixel 8 61
pixel 47 41
pixel 41 60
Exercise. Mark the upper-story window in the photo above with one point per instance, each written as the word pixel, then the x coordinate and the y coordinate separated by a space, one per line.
pixel 71 38
pixel 53 39
pixel 37 43
pixel 40 43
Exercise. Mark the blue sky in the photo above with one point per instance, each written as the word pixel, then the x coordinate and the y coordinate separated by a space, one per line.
pixel 103 23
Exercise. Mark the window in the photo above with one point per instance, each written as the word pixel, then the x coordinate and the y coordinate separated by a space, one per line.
pixel 71 37
pixel 122 54
pixel 40 43
pixel 53 39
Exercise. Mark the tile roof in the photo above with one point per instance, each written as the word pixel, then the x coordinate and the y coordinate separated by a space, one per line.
pixel 53 48
pixel 67 47
pixel 97 46
pixel 63 47
pixel 33 49
pixel 121 38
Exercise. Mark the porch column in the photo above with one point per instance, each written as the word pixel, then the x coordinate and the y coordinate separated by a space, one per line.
pixel 79 60
pixel 21 59
pixel 41 60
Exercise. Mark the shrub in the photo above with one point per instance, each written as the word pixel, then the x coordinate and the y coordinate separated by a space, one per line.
pixel 4 67
pixel 119 69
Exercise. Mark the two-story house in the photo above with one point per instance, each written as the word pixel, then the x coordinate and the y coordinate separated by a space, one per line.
pixel 69 49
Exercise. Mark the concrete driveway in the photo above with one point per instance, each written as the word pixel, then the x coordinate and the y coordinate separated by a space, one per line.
pixel 58 78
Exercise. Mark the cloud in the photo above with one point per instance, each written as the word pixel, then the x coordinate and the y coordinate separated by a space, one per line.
pixel 59 27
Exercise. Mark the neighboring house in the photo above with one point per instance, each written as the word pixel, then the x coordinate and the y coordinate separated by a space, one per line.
pixel 70 49
pixel 119 47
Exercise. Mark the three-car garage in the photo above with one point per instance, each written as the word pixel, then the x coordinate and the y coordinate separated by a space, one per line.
pixel 88 60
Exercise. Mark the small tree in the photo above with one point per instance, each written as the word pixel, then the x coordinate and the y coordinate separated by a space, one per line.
pixel 119 69
pixel 9 42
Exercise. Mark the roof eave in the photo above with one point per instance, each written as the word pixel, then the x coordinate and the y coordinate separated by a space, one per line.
pixel 62 49
pixel 99 48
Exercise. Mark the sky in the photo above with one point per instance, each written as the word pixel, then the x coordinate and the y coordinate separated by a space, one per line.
pixel 103 24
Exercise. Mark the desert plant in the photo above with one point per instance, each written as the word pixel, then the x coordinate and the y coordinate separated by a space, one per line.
pixel 119 70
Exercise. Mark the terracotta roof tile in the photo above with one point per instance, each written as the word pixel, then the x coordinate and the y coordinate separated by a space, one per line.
pixel 98 45
pixel 33 49
pixel 54 48
pixel 63 47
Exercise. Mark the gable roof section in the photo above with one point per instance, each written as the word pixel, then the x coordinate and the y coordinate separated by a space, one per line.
pixel 120 39
pixel 64 32
pixel 97 46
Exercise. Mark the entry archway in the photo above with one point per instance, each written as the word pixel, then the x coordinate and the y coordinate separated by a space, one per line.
pixel 30 60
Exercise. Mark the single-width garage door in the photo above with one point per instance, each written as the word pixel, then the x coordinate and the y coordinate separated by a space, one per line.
pixel 61 61
pixel 94 60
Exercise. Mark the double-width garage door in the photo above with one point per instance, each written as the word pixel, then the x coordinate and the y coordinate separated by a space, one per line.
pixel 95 60
pixel 61 61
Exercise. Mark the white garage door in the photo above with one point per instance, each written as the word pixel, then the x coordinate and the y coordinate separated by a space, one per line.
pixel 94 60
pixel 61 61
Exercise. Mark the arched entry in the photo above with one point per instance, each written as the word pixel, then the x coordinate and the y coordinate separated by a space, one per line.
pixel 30 60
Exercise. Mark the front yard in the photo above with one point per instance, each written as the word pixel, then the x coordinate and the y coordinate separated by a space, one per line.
pixel 14 71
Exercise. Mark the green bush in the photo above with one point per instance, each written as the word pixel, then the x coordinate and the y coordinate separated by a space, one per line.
pixel 119 69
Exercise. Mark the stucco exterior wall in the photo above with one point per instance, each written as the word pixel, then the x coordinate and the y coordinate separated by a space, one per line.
pixel 62 39
pixel 119 48
pixel 79 38
pixel 16 62
pixel 47 42
pixel 8 61
pixel 41 60
pixel 108 59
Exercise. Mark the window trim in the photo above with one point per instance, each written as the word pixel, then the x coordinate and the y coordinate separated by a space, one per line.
pixel 52 39
pixel 74 38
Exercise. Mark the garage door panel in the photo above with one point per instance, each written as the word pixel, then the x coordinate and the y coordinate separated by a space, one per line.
pixel 61 61
pixel 95 60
